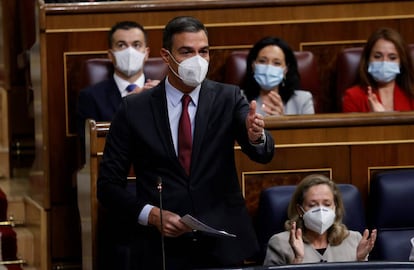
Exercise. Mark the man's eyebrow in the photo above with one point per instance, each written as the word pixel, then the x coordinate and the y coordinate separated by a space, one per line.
pixel 138 42
pixel 188 48
pixel 185 48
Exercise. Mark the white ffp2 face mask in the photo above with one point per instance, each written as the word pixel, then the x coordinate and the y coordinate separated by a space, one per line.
pixel 192 71
pixel 319 219
pixel 129 61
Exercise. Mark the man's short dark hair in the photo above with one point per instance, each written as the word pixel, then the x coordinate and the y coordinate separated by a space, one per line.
pixel 179 25
pixel 125 25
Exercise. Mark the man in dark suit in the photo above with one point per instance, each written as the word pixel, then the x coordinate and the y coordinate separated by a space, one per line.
pixel 201 181
pixel 128 51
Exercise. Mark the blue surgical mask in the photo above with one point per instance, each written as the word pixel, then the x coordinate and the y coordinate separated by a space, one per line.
pixel 268 76
pixel 383 71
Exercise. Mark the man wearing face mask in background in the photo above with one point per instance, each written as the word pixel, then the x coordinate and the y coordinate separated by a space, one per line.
pixel 128 52
pixel 196 171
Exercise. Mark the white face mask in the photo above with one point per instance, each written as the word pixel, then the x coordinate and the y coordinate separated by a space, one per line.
pixel 129 61
pixel 192 71
pixel 319 219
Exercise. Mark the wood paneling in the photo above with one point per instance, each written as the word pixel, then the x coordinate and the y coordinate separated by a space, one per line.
pixel 347 147
pixel 38 224
pixel 17 35
pixel 70 33
pixel 4 135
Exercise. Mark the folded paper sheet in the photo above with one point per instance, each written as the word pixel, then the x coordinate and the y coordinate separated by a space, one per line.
pixel 195 224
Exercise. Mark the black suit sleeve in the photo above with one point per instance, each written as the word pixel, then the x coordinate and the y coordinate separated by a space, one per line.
pixel 114 169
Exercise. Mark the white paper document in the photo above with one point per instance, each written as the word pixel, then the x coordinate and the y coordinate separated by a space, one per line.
pixel 195 224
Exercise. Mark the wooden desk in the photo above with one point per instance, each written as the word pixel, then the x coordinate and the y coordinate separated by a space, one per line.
pixel 350 148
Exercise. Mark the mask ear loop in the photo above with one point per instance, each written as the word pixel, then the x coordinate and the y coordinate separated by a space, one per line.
pixel 175 61
pixel 299 207
pixel 178 64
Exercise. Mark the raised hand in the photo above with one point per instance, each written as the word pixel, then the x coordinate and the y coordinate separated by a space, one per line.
pixel 374 103
pixel 254 123
pixel 296 242
pixel 366 244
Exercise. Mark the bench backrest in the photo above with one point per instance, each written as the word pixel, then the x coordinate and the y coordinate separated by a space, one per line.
pixel 95 135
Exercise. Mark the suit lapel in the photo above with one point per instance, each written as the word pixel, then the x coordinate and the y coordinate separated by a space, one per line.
pixel 114 95
pixel 159 109
pixel 160 112
pixel 205 101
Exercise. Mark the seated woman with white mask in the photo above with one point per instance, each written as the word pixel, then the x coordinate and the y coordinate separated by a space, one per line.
pixel 314 229
pixel 272 79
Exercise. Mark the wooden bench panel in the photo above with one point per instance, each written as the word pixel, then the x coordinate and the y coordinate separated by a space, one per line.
pixel 95 135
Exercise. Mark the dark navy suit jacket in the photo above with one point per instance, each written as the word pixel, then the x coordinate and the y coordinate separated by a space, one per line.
pixel 99 102
pixel 140 135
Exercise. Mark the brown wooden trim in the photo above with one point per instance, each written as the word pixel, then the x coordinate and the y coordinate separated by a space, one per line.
pixel 339 120
pixel 167 5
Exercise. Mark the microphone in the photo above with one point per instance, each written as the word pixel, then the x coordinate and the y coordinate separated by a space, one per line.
pixel 159 187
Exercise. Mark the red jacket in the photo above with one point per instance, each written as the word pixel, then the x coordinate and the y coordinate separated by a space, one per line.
pixel 355 99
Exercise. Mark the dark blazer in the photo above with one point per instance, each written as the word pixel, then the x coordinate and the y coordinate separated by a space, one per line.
pixel 140 134
pixel 99 102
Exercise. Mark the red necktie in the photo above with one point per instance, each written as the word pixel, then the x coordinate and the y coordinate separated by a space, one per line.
pixel 184 136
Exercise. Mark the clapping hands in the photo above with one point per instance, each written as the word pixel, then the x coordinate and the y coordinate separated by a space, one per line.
pixel 366 244
pixel 374 103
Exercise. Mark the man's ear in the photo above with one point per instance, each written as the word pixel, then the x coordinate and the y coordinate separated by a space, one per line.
pixel 111 57
pixel 165 55
pixel 147 52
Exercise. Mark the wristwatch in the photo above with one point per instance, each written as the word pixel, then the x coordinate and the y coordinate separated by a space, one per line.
pixel 261 139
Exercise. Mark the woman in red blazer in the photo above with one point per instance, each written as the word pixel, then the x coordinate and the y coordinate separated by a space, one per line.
pixel 385 76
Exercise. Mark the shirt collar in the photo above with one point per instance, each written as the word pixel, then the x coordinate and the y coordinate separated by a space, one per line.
pixel 174 95
pixel 122 84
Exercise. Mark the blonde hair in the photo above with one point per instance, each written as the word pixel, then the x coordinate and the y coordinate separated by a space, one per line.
pixel 338 231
